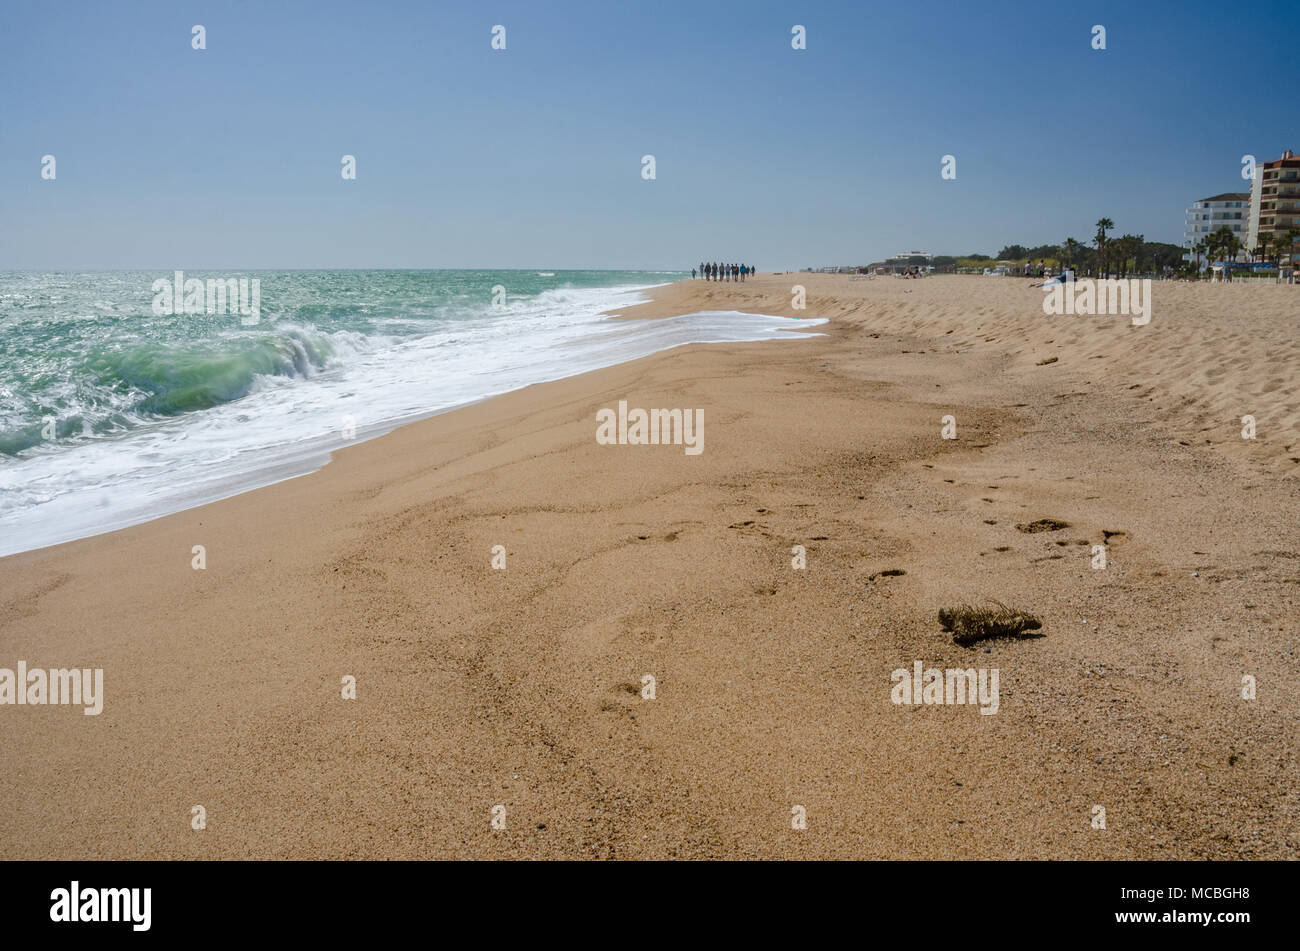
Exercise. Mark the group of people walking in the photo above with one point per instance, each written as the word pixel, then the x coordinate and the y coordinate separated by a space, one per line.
pixel 712 271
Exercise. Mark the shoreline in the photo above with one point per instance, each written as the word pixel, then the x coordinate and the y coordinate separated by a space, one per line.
pixel 521 687
pixel 304 455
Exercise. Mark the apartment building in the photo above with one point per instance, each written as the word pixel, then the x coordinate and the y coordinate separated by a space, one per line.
pixel 1231 210
pixel 1275 199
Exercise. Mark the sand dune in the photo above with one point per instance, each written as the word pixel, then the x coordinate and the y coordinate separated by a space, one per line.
pixel 523 688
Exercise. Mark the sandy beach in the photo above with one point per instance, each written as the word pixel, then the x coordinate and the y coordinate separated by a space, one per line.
pixel 523 688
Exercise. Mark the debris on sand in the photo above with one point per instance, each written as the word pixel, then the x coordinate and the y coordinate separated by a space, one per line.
pixel 969 624
pixel 888 573
pixel 1042 525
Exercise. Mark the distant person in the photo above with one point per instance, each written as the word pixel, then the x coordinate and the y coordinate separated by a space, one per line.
pixel 692 274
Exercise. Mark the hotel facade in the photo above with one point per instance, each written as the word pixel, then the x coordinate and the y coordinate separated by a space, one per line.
pixel 1275 200
pixel 1231 210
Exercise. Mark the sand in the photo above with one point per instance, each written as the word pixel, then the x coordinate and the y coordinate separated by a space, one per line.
pixel 522 687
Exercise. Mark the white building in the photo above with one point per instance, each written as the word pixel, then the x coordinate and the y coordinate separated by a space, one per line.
pixel 1231 210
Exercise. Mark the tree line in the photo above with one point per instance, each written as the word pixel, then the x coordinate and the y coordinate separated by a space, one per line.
pixel 1107 255
pixel 1223 245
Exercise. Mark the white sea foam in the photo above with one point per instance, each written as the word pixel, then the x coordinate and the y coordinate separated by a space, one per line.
pixel 286 427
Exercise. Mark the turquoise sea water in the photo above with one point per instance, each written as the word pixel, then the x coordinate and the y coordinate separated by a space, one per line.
pixel 111 413
pixel 87 350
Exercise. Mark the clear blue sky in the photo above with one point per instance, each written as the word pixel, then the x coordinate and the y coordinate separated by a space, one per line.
pixel 469 157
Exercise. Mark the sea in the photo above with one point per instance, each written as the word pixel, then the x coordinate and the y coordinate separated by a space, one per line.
pixel 119 403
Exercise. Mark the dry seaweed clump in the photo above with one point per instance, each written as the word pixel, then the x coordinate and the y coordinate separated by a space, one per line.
pixel 1042 525
pixel 970 624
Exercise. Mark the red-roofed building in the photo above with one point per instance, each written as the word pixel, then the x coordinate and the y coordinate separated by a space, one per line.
pixel 1275 200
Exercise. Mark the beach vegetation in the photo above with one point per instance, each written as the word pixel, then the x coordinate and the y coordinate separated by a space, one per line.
pixel 1129 255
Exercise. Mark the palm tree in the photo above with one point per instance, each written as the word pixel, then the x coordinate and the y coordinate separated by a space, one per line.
pixel 1212 242
pixel 1287 244
pixel 1264 245
pixel 1199 248
pixel 1226 244
pixel 1231 249
pixel 1129 250
pixel 1102 226
pixel 1072 251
